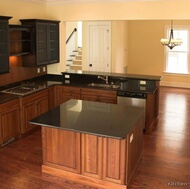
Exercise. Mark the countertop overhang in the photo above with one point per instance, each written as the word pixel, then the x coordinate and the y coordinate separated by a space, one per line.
pixel 102 119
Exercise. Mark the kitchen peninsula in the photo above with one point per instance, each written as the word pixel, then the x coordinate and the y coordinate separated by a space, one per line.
pixel 91 142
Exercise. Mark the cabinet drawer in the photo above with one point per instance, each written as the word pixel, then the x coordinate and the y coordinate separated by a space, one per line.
pixel 106 93
pixel 8 105
pixel 95 98
pixel 71 89
pixel 35 96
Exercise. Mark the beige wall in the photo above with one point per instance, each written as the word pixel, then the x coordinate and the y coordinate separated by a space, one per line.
pixel 145 54
pixel 146 58
pixel 120 46
pixel 20 9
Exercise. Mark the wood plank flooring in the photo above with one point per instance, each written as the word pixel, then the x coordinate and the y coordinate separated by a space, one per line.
pixel 165 163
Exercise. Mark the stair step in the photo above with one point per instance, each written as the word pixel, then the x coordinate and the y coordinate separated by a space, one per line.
pixel 77 62
pixel 75 67
pixel 79 57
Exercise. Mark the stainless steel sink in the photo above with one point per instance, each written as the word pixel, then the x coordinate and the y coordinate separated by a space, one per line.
pixel 100 85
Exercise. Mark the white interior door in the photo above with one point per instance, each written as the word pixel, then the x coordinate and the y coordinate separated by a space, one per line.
pixel 99 46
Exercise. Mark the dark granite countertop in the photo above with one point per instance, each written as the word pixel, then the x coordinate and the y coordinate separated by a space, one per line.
pixel 101 119
pixel 128 83
pixel 4 97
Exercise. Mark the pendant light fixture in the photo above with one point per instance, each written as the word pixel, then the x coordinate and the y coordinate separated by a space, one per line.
pixel 171 42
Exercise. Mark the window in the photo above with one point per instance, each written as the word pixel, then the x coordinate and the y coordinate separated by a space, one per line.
pixel 177 58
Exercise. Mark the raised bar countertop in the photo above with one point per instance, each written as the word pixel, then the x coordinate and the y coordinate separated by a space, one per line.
pixel 119 75
pixel 102 119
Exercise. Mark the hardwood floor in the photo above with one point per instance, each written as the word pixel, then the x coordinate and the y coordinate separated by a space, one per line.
pixel 165 163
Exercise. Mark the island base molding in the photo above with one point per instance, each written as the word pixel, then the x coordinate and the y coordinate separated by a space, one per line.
pixel 81 178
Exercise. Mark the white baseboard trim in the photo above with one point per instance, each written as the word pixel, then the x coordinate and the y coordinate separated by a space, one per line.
pixel 174 84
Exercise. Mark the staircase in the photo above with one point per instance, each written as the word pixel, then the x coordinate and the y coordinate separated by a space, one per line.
pixel 75 61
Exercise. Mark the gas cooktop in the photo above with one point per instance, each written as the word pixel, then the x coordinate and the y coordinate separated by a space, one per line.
pixel 25 88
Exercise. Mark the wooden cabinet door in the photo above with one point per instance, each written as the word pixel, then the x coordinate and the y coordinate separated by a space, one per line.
pixel 114 160
pixel 9 120
pixel 32 106
pixel 51 97
pixel 91 156
pixel 53 43
pixel 41 105
pixel 41 44
pixel 70 93
pixel 104 158
pixel 29 112
pixel 61 149
pixel 4 44
pixel 47 43
pixel 58 95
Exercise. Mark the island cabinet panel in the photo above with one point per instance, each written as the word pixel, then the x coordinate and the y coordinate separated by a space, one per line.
pixel 9 121
pixel 104 158
pixel 61 149
pixel 31 107
pixel 92 156
pixel 114 160
pixel 99 95
pixel 134 150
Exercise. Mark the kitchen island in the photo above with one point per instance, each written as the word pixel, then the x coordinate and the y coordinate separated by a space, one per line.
pixel 95 143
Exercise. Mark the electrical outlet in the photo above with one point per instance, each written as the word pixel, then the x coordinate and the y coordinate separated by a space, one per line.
pixel 38 70
pixel 131 138
pixel 67 81
pixel 44 69
pixel 67 76
pixel 142 82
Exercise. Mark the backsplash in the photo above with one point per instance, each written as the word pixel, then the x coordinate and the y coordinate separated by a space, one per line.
pixel 18 73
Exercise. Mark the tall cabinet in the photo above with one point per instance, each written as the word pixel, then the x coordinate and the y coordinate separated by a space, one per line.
pixel 45 43
pixel 4 41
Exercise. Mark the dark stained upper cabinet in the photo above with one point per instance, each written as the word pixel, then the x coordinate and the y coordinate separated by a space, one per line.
pixel 4 44
pixel 45 42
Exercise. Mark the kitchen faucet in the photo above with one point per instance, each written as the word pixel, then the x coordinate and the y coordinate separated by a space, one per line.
pixel 105 78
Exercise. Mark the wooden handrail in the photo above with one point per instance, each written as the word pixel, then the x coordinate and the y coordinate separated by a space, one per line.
pixel 75 29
